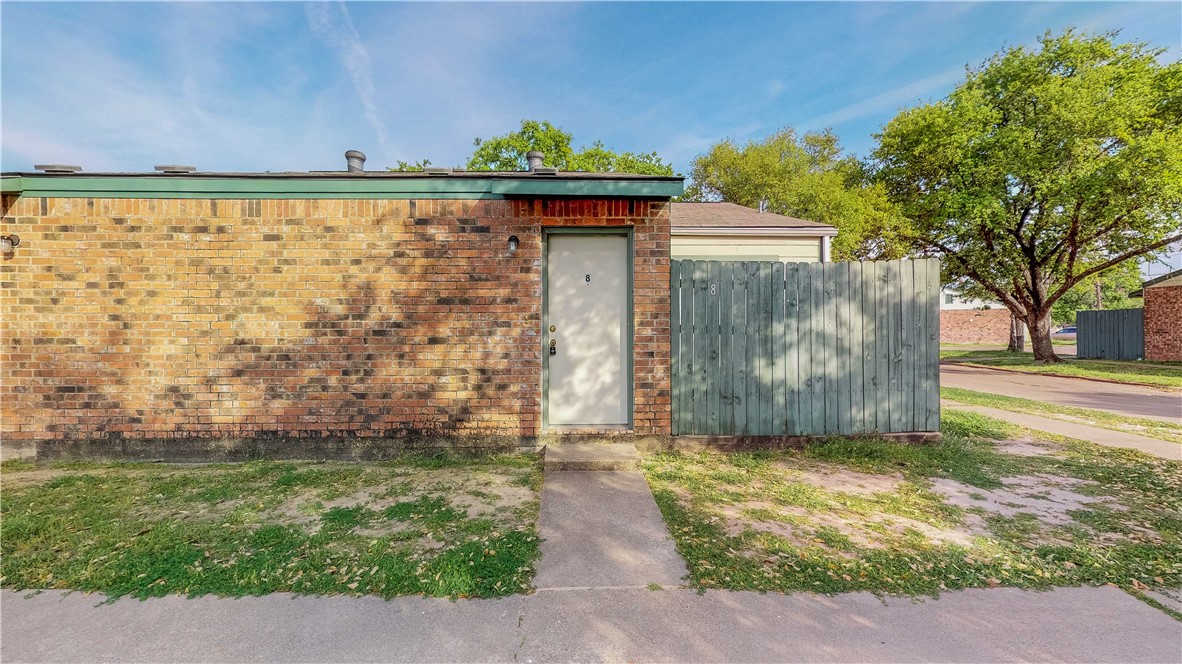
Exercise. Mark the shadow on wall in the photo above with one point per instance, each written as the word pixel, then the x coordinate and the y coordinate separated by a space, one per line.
pixel 360 366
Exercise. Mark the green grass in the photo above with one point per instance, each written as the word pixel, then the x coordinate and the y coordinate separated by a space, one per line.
pixel 387 529
pixel 1160 374
pixel 908 539
pixel 1099 418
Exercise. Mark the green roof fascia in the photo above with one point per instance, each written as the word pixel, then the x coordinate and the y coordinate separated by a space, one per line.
pixel 467 188
pixel 11 184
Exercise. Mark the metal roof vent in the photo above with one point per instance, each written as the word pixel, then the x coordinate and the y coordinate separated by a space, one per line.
pixel 437 171
pixel 173 168
pixel 355 159
pixel 534 159
pixel 545 170
pixel 57 168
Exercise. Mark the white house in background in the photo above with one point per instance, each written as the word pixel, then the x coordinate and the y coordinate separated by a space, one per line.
pixel 730 232
pixel 951 299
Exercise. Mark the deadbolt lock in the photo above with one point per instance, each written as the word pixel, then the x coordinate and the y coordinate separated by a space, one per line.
pixel 552 328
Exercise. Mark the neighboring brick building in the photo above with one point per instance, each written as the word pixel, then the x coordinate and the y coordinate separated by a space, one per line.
pixel 975 326
pixel 1163 317
pixel 147 309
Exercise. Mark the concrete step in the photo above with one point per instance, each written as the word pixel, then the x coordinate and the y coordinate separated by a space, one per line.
pixel 591 456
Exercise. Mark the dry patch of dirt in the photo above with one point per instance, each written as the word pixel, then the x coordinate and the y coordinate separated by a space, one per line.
pixel 1048 498
pixel 1028 447
pixel 478 493
pixel 847 481
pixel 800 526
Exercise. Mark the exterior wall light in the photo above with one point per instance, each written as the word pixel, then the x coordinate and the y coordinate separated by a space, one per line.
pixel 8 244
pixel 513 244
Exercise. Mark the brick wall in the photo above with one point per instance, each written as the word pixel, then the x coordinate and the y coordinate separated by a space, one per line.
pixel 971 326
pixel 1163 323
pixel 240 318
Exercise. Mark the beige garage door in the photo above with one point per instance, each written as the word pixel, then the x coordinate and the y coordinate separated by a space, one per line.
pixel 587 337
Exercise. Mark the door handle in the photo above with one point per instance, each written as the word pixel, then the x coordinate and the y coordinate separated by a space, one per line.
pixel 553 347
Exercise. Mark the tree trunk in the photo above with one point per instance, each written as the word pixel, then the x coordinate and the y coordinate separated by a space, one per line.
pixel 1017 335
pixel 1099 294
pixel 1039 324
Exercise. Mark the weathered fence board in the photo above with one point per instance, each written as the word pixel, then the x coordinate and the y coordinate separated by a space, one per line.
pixel 1113 334
pixel 773 349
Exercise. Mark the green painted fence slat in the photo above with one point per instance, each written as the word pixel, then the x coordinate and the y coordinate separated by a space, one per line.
pixel 701 346
pixel 817 325
pixel 853 357
pixel 739 348
pixel 768 349
pixel 675 369
pixel 726 392
pixel 778 331
pixel 714 273
pixel 907 338
pixel 792 347
pixel 841 362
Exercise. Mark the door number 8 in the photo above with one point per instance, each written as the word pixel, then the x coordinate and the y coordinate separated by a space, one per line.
pixel 713 289
pixel 587 278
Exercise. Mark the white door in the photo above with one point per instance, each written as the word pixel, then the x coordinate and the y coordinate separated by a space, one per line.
pixel 587 339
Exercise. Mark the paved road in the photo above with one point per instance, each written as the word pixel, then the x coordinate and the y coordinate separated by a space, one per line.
pixel 1073 624
pixel 1131 400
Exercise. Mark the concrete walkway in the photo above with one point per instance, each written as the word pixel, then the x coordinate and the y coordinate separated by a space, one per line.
pixel 1066 625
pixel 1132 400
pixel 1107 437
pixel 602 529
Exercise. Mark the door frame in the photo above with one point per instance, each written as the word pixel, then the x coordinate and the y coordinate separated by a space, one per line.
pixel 628 341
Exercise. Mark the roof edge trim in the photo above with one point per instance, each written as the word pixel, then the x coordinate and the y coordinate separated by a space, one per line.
pixel 197 186
pixel 752 231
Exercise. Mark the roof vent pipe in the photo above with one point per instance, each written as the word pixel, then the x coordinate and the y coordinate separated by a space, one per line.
pixel 356 161
pixel 534 159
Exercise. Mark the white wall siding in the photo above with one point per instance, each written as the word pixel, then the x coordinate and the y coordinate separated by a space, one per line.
pixel 782 249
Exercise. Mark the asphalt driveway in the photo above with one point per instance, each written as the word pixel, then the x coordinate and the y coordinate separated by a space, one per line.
pixel 1132 400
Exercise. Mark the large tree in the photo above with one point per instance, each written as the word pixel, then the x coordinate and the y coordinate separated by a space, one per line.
pixel 508 153
pixel 804 176
pixel 1045 167
pixel 1107 290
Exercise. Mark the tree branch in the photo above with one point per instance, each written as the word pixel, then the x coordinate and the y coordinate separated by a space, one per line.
pixel 1005 298
pixel 1109 263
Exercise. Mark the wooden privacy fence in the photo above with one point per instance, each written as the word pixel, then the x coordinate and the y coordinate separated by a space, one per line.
pixel 1115 334
pixel 805 349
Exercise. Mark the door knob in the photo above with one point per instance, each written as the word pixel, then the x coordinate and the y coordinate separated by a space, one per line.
pixel 553 347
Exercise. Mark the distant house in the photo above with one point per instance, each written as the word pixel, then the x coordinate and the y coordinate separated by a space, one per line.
pixel 731 232
pixel 1163 317
pixel 950 299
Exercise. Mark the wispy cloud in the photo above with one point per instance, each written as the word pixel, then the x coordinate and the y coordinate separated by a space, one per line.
pixel 331 22
pixel 889 100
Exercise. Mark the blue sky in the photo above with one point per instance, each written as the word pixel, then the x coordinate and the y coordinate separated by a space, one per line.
pixel 289 86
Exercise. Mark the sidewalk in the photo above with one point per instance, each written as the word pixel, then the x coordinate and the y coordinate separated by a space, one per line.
pixel 1107 437
pixel 1071 624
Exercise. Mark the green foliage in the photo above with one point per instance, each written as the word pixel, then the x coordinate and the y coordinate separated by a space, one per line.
pixel 265 527
pixel 804 176
pixel 1043 168
pixel 417 166
pixel 1115 285
pixel 508 153
pixel 1163 374
pixel 798 535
